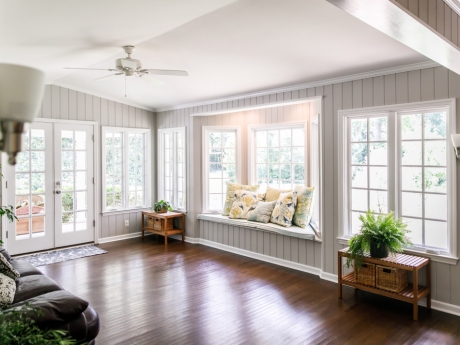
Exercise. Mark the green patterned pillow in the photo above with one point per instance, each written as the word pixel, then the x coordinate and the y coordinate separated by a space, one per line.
pixel 273 194
pixel 245 202
pixel 284 209
pixel 262 212
pixel 304 208
pixel 230 198
pixel 7 291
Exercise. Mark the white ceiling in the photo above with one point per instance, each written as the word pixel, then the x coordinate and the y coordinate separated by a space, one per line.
pixel 228 47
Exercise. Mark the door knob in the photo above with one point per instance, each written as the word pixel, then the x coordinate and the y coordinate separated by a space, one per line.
pixel 58 187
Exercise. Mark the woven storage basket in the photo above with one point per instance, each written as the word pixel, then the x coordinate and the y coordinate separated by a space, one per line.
pixel 159 224
pixel 391 279
pixel 366 274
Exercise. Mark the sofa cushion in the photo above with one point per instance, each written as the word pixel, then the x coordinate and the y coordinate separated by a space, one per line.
pixel 55 307
pixel 92 322
pixel 5 253
pixel 262 212
pixel 24 268
pixel 7 269
pixel 230 195
pixel 33 286
pixel 284 209
pixel 304 208
pixel 245 202
pixel 7 290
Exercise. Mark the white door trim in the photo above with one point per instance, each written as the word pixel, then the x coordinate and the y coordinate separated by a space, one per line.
pixel 96 155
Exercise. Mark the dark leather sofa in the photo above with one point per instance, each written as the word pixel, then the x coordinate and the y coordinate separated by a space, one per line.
pixel 59 308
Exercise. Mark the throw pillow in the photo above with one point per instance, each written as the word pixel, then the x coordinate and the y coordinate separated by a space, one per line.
pixel 304 208
pixel 273 194
pixel 230 198
pixel 245 202
pixel 284 209
pixel 7 291
pixel 262 212
pixel 7 269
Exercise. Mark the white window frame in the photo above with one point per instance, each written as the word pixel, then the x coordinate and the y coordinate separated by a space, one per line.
pixel 448 105
pixel 205 142
pixel 161 173
pixel 125 171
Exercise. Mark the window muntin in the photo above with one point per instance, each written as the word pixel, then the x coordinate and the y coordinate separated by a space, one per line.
pixel 368 167
pixel 423 177
pixel 280 157
pixel 125 172
pixel 172 179
pixel 220 164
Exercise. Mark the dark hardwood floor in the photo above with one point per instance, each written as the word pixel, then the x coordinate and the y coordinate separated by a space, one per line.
pixel 192 294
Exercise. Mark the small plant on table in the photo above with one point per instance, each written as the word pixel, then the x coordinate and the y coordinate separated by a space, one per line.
pixel 162 206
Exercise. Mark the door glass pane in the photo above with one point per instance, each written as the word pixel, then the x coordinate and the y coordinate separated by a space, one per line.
pixel 80 221
pixel 38 203
pixel 22 228
pixel 80 160
pixel 67 160
pixel 80 180
pixel 37 160
pixel 80 140
pixel 22 184
pixel 38 226
pixel 67 181
pixel 80 201
pixel 67 222
pixel 22 205
pixel 37 139
pixel 22 162
pixel 67 140
pixel 38 183
pixel 67 202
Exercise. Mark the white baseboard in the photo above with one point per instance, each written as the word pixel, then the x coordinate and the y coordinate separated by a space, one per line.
pixel 436 305
pixel 122 237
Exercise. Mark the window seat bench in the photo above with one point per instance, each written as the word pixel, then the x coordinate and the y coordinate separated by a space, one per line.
pixel 293 231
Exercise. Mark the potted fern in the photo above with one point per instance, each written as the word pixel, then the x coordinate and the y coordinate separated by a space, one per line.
pixel 380 235
pixel 162 206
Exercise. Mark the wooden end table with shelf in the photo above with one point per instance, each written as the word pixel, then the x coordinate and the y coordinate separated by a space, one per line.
pixel 162 224
pixel 413 293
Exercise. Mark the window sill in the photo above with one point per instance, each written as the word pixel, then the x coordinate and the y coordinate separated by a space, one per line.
pixel 292 231
pixel 125 210
pixel 450 260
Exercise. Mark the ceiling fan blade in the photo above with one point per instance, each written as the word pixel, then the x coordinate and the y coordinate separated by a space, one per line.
pixel 165 72
pixel 93 69
pixel 107 76
pixel 151 80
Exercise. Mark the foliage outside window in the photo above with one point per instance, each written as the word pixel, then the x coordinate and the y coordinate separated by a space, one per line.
pixel 220 158
pixel 172 167
pixel 126 170
pixel 400 161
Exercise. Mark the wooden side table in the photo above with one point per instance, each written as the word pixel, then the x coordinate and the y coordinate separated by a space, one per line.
pixel 162 224
pixel 412 293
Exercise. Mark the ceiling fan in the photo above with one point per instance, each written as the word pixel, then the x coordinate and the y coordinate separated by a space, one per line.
pixel 132 67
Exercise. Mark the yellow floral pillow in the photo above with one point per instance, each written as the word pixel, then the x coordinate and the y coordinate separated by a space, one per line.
pixel 284 209
pixel 304 208
pixel 244 203
pixel 273 194
pixel 230 197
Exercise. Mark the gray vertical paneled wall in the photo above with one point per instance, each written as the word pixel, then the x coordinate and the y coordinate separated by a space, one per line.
pixel 64 104
pixel 436 14
pixel 406 87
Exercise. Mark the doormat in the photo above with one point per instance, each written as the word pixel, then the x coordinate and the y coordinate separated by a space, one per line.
pixel 61 255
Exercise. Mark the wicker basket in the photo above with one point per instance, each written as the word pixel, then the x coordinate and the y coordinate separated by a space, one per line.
pixel 158 224
pixel 366 274
pixel 391 279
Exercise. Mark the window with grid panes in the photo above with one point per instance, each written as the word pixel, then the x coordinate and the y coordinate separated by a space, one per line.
pixel 280 157
pixel 220 165
pixel 172 180
pixel 401 161
pixel 126 170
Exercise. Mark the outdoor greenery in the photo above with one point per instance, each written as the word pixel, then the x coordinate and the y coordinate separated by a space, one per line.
pixel 16 328
pixel 161 205
pixel 381 230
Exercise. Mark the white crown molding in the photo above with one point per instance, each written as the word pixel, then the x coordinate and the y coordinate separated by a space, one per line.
pixel 115 99
pixel 377 73
pixel 454 5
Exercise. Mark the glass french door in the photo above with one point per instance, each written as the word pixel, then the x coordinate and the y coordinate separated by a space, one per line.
pixel 51 188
